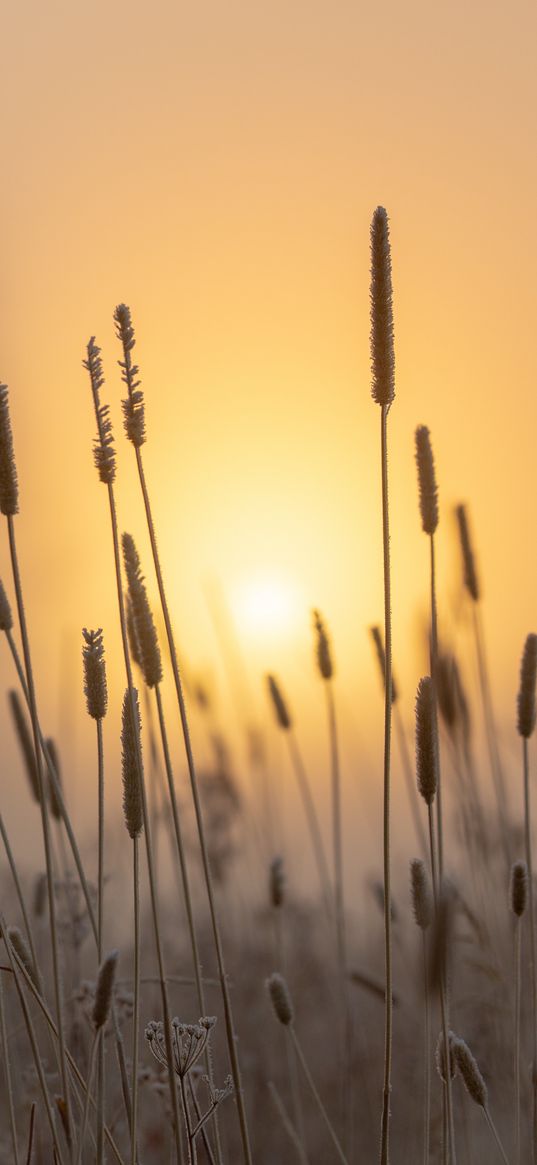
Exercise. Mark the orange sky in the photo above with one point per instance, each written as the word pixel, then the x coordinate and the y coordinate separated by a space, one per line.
pixel 216 166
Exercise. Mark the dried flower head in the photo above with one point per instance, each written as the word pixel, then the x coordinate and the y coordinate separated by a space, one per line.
pixel 518 888
pixel 26 743
pixel 426 480
pixel 469 1070
pixel 104 989
pixel 526 691
pixel 95 689
pixel 426 742
pixel 133 406
pixel 440 1059
pixel 468 560
pixel 382 346
pixel 22 951
pixel 422 903
pixel 6 618
pixel 280 707
pixel 280 997
pixel 376 635
pixel 323 652
pixel 144 626
pixel 9 488
pixel 277 882
pixel 131 750
pixel 103 449
pixel 189 1041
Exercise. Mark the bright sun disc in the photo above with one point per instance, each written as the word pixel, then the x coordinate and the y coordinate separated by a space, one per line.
pixel 266 605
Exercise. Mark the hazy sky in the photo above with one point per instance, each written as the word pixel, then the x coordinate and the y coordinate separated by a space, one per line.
pixel 216 166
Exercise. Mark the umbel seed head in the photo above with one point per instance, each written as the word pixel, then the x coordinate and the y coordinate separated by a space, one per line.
pixel 426 743
pixel 281 999
pixel 468 559
pixel 381 335
pixel 9 488
pixel 422 903
pixel 518 888
pixel 526 691
pixel 131 750
pixel 469 1070
pixel 324 654
pixel 426 480
pixel 104 989
pixel 280 707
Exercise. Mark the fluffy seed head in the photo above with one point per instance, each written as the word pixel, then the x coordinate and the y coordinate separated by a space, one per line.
pixel 277 882
pixel 130 745
pixel 376 636
pixel 422 903
pixel 104 989
pixel 440 1059
pixel 144 626
pixel 426 480
pixel 53 800
pixel 526 691
pixel 26 743
pixel 104 454
pixel 281 999
pixel 6 618
pixel 133 406
pixel 468 560
pixel 518 888
pixel 469 1070
pixel 381 335
pixel 9 488
pixel 281 710
pixel 95 689
pixel 323 652
pixel 22 950
pixel 426 742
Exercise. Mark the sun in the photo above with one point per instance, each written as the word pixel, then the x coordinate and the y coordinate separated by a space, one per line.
pixel 266 605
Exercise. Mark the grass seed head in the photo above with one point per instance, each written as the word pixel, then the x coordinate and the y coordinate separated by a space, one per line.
pixel 277 882
pixel 145 632
pixel 95 689
pixel 104 989
pixel 104 454
pixel 133 405
pixel 323 651
pixel 468 559
pixel 131 747
pixel 440 1059
pixel 426 480
pixel 26 743
pixel 281 999
pixel 22 950
pixel 9 487
pixel 426 742
pixel 469 1070
pixel 526 691
pixel 381 335
pixel 378 642
pixel 518 888
pixel 422 903
pixel 281 710
pixel 6 617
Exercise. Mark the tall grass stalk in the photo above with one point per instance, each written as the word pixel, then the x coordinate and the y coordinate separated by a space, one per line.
pixel 133 408
pixel 526 718
pixel 105 463
pixel 518 896
pixel 6 1063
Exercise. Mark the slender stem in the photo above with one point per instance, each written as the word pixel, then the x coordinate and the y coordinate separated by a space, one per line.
pixel 449 1140
pixel 315 1094
pixel 97 1037
pixel 120 1049
pixel 413 797
pixel 388 1019
pixel 312 821
pixel 427 1056
pixel 43 801
pixel 31 1135
pixel 136 1016
pixel 7 1070
pixel 494 1132
pixel 518 936
pixel 100 909
pixel 291 1132
pixel 434 670
pixel 192 1154
pixel 186 891
pixel 200 1123
pixel 226 997
pixel 339 903
pixel 529 863
pixel 147 832
pixel 18 889
pixel 491 732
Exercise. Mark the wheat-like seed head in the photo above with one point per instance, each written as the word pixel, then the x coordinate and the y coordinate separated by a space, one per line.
pixel 26 743
pixel 6 618
pixel 9 487
pixel 323 651
pixel 440 1059
pixel 130 745
pixel 426 480
pixel 469 1070
pixel 277 882
pixel 281 999
pixel 526 691
pixel 144 626
pixel 104 990
pixel 95 688
pixel 376 635
pixel 468 559
pixel 426 742
pixel 422 902
pixel 518 888
pixel 133 406
pixel 22 950
pixel 281 710
pixel 103 448
pixel 381 335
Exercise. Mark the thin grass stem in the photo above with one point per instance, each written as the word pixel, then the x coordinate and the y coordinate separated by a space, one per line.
pixel 7 1072
pixel 315 1094
pixel 533 939
pixel 494 1132
pixel 388 1016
